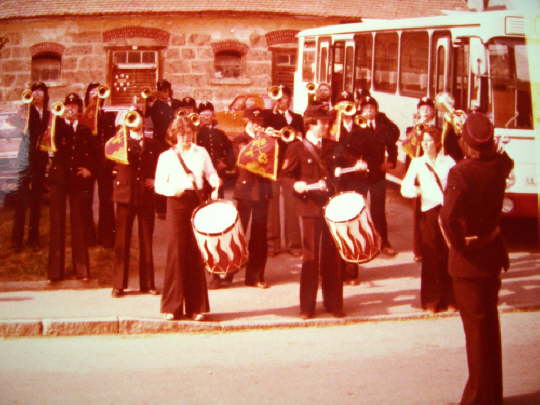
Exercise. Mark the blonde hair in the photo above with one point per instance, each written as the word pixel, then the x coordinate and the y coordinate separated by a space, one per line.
pixel 178 127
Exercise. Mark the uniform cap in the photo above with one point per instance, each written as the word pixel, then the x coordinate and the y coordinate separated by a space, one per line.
pixel 478 132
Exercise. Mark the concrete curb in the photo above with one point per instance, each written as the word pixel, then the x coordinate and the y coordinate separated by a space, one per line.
pixel 43 285
pixel 134 326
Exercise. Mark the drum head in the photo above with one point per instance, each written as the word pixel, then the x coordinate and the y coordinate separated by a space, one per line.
pixel 344 206
pixel 215 217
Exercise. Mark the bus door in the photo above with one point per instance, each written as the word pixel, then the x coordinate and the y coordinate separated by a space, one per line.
pixel 338 62
pixel 440 63
pixel 323 60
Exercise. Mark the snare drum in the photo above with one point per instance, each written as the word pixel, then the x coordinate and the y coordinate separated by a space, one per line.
pixel 347 216
pixel 220 236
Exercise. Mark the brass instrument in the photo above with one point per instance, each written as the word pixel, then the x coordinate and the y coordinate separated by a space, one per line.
pixel 286 134
pixel 180 113
pixel 444 102
pixel 275 92
pixel 103 92
pixel 27 96
pixel 346 107
pixel 58 108
pixel 132 119
pixel 146 93
pixel 311 88
pixel 195 119
pixel 360 121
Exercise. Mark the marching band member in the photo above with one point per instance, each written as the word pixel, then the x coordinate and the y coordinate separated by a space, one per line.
pixel 383 135
pixel 470 218
pixel 215 141
pixel 102 125
pixel 134 197
pixel 70 178
pixel 278 117
pixel 430 171
pixel 322 99
pixel 308 165
pixel 252 193
pixel 180 173
pixel 34 116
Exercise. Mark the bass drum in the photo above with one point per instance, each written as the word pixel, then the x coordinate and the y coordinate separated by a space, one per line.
pixel 347 216
pixel 220 237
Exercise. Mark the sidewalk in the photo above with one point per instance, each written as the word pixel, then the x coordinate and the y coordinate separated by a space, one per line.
pixel 388 290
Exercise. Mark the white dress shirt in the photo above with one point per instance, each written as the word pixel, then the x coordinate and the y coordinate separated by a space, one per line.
pixel 171 179
pixel 430 193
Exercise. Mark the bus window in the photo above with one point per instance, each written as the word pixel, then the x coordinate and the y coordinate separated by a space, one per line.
pixel 323 62
pixel 364 53
pixel 510 84
pixel 337 68
pixel 386 57
pixel 461 77
pixel 349 72
pixel 308 61
pixel 413 72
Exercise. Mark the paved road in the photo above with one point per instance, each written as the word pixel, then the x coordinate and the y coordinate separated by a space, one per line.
pixel 400 362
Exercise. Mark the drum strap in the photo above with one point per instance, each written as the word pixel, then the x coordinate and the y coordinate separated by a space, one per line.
pixel 190 172
pixel 437 179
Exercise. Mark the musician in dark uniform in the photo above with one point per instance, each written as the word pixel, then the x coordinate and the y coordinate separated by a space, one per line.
pixel 322 99
pixel 308 164
pixel 32 166
pixel 470 219
pixel 134 198
pixel 217 144
pixel 103 129
pixel 278 117
pixel 252 193
pixel 381 134
pixel 188 105
pixel 70 179
pixel 352 153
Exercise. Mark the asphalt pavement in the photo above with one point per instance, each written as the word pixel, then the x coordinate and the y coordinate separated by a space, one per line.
pixel 388 290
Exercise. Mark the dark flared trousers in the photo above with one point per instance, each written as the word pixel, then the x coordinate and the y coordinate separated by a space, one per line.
pixel 377 209
pixel 320 259
pixel 125 216
pixel 436 290
pixel 477 303
pixel 59 195
pixel 257 211
pixel 184 285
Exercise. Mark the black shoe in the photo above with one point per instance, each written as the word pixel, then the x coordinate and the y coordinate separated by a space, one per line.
pixel 306 315
pixel 417 258
pixel 151 291
pixel 389 251
pixel 259 284
pixel 117 293
pixel 214 284
pixel 338 314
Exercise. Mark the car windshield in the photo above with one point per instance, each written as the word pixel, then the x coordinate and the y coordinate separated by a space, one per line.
pixel 510 83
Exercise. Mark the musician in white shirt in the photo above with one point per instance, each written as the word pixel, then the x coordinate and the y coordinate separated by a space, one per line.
pixel 180 174
pixel 430 171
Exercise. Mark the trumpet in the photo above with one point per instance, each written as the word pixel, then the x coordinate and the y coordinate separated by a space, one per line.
pixel 275 92
pixel 180 113
pixel 287 134
pixel 195 119
pixel 311 87
pixel 103 92
pixel 346 107
pixel 132 119
pixel 360 121
pixel 444 102
pixel 58 108
pixel 27 96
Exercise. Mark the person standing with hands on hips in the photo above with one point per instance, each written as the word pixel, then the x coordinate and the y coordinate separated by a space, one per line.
pixel 470 218
pixel 180 173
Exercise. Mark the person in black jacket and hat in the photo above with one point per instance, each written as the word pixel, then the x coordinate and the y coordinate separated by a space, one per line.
pixel 470 218
pixel 70 179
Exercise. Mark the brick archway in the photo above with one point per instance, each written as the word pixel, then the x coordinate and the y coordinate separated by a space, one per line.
pixel 47 47
pixel 160 37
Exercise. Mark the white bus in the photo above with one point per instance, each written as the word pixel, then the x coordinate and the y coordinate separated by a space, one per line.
pixel 480 58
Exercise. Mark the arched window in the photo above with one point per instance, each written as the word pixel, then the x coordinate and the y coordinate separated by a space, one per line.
pixel 46 66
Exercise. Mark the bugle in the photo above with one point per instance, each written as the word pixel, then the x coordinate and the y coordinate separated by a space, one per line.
pixel 275 92
pixel 286 134
pixel 132 119
pixel 58 108
pixel 27 96
pixel 195 119
pixel 47 142
pixel 346 108
pixel 103 92
pixel 360 121
pixel 311 88
pixel 146 93
pixel 444 102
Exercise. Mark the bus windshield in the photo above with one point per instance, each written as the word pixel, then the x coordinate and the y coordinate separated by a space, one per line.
pixel 510 83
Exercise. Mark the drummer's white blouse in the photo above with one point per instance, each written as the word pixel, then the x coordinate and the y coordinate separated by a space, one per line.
pixel 171 179
pixel 430 193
